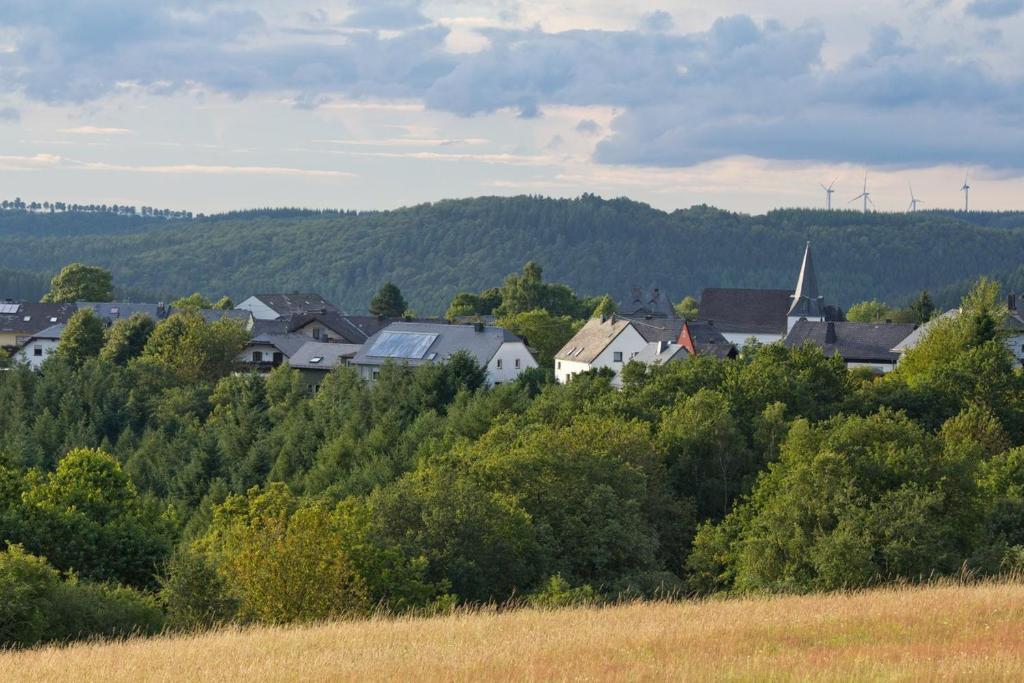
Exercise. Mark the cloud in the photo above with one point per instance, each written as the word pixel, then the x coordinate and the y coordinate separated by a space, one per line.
pixel 995 9
pixel 658 21
pixel 387 14
pixel 95 130
pixel 588 127
pixel 9 115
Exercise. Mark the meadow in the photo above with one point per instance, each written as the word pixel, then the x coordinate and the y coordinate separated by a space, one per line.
pixel 946 632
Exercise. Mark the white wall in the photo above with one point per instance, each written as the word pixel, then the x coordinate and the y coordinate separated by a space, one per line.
pixel 268 351
pixel 740 338
pixel 27 354
pixel 628 343
pixel 1016 346
pixel 508 354
pixel 259 310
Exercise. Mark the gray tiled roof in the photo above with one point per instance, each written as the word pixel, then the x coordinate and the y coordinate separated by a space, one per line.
pixel 643 302
pixel 110 311
pixel 746 310
pixel 330 355
pixel 480 343
pixel 211 315
pixel 291 304
pixel 288 344
pixel 867 342
pixel 51 332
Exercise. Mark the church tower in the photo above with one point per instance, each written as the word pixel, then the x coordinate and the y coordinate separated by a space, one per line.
pixel 807 303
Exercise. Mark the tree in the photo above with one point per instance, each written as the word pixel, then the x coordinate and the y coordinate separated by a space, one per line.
pixel 194 349
pixel 126 338
pixel 77 282
pixel 224 304
pixel 688 308
pixel 922 308
pixel 388 301
pixel 527 291
pixel 869 312
pixel 194 300
pixel 605 307
pixel 542 331
pixel 82 337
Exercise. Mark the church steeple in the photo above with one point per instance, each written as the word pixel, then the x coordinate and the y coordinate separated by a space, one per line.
pixel 807 303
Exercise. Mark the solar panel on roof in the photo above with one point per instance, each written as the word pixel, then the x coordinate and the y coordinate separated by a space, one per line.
pixel 412 345
pixel 9 308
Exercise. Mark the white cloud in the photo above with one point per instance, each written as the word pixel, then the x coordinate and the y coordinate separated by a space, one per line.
pixel 94 130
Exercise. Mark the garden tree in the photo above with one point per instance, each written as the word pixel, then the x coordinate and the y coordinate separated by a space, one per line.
pixel 469 304
pixel 195 350
pixel 77 282
pixel 605 307
pixel 869 312
pixel 126 338
pixel 708 457
pixel 688 308
pixel 82 337
pixel 388 301
pixel 86 516
pixel 1001 486
pixel 238 421
pixel 527 291
pixel 224 304
pixel 543 332
pixel 851 502
pixel 194 300
pixel 282 561
pixel 922 308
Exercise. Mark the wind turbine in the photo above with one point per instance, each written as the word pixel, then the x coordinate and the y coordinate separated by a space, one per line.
pixel 966 189
pixel 914 201
pixel 865 195
pixel 828 194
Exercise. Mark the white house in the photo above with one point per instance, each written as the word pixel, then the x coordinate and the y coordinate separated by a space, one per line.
pixel 264 352
pixel 40 346
pixel 502 353
pixel 613 342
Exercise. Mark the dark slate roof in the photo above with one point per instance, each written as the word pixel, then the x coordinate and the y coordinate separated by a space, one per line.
pixel 110 311
pixel 866 342
pixel 291 304
pixel 661 353
pixel 30 318
pixel 288 344
pixel 646 302
pixel 658 329
pixel 341 325
pixel 481 342
pixel 212 315
pixel 322 355
pixel 51 332
pixel 754 311
pixel 270 326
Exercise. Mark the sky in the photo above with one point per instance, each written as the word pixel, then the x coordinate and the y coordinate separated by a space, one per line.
pixel 374 104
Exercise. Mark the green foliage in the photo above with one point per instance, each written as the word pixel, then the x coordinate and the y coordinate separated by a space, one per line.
pixel 38 606
pixel 127 338
pixel 82 338
pixel 194 349
pixel 557 593
pixel 543 332
pixel 388 301
pixel 77 282
pixel 195 300
pixel 922 308
pixel 869 312
pixel 606 307
pixel 688 308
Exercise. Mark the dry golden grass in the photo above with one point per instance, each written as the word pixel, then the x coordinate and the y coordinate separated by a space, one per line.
pixel 938 633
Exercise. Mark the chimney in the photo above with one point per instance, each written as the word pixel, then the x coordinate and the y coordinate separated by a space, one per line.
pixel 479 327
pixel 830 333
pixel 604 318
pixel 161 309
pixel 662 346
pixel 1011 301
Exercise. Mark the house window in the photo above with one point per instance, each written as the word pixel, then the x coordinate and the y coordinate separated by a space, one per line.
pixel 316 333
pixel 617 356
pixel 559 365
pixel 257 356
pixel 37 351
pixel 517 363
pixel 499 364
pixel 278 358
pixel 376 374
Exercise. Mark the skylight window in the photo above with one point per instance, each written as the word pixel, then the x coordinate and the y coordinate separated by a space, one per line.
pixel 315 359
pixel 9 308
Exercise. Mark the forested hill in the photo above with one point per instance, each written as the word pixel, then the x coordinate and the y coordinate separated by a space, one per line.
pixel 434 250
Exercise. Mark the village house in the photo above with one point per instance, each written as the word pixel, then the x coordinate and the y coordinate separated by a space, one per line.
pixel 40 346
pixel 314 360
pixel 501 353
pixel 20 321
pixel 277 306
pixel 612 342
pixel 860 345
pixel 767 315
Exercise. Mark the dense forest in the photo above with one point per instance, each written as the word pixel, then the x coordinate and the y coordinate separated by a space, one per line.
pixel 597 246
pixel 146 485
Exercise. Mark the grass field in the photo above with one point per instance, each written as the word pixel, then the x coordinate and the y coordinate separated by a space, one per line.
pixel 938 633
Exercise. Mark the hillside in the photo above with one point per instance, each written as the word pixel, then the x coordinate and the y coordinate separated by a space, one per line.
pixel 944 633
pixel 435 250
